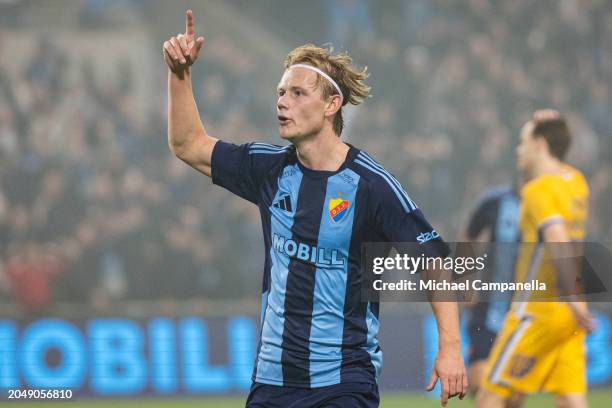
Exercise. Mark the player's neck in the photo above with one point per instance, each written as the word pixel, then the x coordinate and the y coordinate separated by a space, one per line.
pixel 325 152
pixel 549 166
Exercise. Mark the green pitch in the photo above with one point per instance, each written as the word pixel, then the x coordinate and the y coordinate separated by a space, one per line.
pixel 597 398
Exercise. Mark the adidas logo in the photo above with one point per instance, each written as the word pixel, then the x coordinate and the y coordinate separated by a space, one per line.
pixel 284 203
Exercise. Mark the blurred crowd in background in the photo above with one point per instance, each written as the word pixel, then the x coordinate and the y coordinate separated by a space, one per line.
pixel 95 209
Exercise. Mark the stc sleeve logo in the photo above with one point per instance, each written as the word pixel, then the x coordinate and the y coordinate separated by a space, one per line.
pixel 424 237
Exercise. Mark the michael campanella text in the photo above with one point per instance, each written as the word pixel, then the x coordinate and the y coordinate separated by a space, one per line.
pixel 477 284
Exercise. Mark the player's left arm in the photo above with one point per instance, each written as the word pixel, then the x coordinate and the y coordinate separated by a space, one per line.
pixel 448 365
pixel 400 220
pixel 560 250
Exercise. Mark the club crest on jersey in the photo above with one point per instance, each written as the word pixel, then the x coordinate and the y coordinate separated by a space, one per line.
pixel 338 208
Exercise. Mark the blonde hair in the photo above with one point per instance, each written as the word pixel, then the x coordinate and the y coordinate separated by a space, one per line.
pixel 349 79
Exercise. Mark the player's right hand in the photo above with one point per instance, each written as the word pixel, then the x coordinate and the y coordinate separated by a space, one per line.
pixel 583 317
pixel 182 50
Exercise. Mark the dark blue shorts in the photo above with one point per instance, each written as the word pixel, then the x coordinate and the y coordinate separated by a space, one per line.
pixel 481 343
pixel 353 395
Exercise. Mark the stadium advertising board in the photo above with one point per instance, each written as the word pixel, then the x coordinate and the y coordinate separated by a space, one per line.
pixel 190 355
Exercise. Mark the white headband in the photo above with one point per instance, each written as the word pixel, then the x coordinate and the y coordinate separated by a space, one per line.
pixel 323 74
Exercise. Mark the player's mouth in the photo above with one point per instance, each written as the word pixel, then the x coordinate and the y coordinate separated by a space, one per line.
pixel 283 120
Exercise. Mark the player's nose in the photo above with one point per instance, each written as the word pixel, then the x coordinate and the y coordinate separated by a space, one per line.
pixel 281 103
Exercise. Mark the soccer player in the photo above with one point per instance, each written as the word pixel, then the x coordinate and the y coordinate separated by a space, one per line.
pixel 495 220
pixel 319 200
pixel 541 345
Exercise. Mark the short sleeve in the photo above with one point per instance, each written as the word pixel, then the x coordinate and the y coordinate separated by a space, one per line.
pixel 400 220
pixel 242 169
pixel 541 204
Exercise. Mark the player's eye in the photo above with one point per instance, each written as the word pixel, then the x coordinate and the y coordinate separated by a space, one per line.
pixel 297 92
pixel 280 92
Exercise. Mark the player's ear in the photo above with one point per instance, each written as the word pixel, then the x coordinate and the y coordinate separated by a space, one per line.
pixel 543 150
pixel 541 144
pixel 334 103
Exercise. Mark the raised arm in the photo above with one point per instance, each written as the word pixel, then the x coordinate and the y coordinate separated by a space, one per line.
pixel 187 137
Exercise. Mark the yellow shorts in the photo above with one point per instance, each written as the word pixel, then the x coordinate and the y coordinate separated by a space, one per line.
pixel 538 352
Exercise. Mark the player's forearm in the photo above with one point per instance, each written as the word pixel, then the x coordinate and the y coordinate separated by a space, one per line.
pixel 567 272
pixel 447 319
pixel 445 310
pixel 562 255
pixel 184 124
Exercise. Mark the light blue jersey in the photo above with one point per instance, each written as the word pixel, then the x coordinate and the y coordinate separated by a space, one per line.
pixel 316 330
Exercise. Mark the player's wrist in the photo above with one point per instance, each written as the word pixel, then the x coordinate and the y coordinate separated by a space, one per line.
pixel 449 346
pixel 575 305
pixel 182 75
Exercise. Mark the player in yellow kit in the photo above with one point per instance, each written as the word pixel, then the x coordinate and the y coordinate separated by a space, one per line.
pixel 541 345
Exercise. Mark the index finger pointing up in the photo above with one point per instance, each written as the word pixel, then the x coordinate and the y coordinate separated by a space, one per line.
pixel 189 23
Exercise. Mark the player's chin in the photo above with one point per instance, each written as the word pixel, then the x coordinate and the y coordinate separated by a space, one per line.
pixel 285 133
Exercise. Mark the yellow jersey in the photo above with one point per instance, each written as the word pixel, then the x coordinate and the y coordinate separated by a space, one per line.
pixel 548 199
pixel 541 347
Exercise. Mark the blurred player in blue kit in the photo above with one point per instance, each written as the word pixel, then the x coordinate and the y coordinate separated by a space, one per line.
pixel 494 219
pixel 319 199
